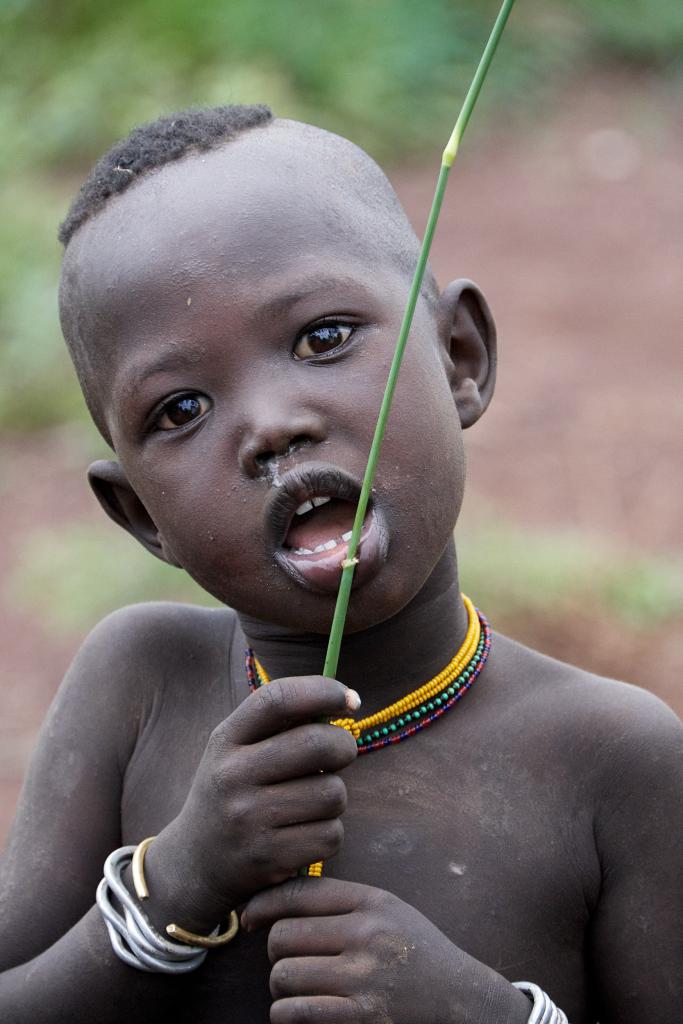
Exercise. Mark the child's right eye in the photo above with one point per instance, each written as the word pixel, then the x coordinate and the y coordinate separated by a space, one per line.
pixel 182 409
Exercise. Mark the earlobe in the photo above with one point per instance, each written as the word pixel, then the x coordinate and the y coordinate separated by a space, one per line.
pixel 469 336
pixel 112 489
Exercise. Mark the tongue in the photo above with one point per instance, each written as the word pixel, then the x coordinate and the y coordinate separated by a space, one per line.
pixel 328 522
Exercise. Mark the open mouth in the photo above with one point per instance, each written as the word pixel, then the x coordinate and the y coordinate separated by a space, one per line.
pixel 311 518
pixel 321 524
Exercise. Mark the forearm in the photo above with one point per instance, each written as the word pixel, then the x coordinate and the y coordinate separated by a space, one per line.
pixel 80 979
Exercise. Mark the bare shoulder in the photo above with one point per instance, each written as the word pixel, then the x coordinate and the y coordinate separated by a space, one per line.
pixel 136 650
pixel 609 730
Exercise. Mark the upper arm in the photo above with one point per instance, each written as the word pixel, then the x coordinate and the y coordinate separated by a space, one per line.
pixel 637 932
pixel 68 816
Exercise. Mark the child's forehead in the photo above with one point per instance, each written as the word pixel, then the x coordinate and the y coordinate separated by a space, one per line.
pixel 265 202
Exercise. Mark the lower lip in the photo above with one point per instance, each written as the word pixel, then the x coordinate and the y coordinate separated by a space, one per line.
pixel 322 571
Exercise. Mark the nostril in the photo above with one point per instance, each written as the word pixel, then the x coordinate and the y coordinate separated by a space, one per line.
pixel 298 442
pixel 264 458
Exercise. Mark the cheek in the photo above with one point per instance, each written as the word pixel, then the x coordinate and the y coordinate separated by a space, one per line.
pixel 423 446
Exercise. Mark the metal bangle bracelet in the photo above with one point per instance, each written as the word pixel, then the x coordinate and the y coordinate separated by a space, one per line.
pixel 543 1010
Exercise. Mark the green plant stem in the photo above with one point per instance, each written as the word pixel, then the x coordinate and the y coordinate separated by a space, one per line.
pixel 449 154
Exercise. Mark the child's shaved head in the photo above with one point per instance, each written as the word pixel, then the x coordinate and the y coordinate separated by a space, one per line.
pixel 151 146
pixel 355 203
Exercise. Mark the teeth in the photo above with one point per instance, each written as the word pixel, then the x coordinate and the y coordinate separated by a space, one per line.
pixel 302 509
pixel 328 545
pixel 320 501
pixel 347 535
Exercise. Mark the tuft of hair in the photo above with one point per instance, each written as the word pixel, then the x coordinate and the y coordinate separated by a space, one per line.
pixel 152 145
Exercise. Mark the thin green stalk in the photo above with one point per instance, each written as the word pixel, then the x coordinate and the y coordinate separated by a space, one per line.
pixel 449 154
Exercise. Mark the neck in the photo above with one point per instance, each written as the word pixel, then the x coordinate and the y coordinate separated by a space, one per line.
pixel 385 661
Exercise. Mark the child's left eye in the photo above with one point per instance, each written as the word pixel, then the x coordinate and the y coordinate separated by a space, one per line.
pixel 181 410
pixel 321 339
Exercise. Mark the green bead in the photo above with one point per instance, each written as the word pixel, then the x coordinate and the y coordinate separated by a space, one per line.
pixel 393 727
pixel 416 715
pixel 438 702
pixel 401 722
pixel 376 734
pixel 385 732
pixel 423 710
pixel 430 706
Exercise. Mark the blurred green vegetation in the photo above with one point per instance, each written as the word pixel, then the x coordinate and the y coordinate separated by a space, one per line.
pixel 389 73
pixel 507 570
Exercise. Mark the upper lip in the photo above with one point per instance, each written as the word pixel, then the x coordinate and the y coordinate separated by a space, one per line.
pixel 298 486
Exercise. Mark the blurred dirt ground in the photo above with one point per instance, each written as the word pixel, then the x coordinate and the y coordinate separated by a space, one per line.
pixel 575 234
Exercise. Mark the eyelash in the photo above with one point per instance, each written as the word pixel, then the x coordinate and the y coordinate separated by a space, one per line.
pixel 168 403
pixel 330 324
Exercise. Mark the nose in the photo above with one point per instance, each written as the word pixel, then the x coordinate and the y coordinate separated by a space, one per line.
pixel 277 430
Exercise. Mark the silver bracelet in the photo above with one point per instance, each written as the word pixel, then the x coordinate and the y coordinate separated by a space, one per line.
pixel 544 1010
pixel 133 938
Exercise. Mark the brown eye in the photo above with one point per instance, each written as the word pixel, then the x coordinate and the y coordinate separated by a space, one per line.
pixel 182 410
pixel 321 339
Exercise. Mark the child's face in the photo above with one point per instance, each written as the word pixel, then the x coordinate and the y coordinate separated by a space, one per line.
pixel 244 310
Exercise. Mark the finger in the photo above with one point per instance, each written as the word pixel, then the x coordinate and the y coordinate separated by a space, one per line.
pixel 318 1009
pixel 287 702
pixel 307 976
pixel 308 937
pixel 303 897
pixel 297 846
pixel 304 750
pixel 315 798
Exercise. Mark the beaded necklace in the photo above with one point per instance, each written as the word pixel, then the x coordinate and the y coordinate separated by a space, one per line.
pixel 417 709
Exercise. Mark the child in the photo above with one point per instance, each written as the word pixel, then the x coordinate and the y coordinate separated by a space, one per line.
pixel 232 290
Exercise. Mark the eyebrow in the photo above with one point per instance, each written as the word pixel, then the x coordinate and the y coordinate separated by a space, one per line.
pixel 297 294
pixel 164 363
pixel 183 359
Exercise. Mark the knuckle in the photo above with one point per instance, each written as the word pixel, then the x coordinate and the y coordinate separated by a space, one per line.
pixel 241 810
pixel 298 1011
pixel 218 741
pixel 275 699
pixel 331 837
pixel 278 939
pixel 316 742
pixel 347 749
pixel 293 890
pixel 280 978
pixel 379 900
pixel 334 794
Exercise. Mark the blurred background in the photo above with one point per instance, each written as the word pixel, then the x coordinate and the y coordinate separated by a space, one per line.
pixel 566 206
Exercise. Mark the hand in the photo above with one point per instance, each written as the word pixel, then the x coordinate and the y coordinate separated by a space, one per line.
pixel 266 799
pixel 344 953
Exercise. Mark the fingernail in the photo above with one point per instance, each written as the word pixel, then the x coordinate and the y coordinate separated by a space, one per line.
pixel 353 700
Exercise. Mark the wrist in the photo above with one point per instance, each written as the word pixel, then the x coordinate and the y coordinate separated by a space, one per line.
pixel 177 891
pixel 483 994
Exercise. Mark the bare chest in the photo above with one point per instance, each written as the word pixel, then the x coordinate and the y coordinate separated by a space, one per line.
pixel 497 855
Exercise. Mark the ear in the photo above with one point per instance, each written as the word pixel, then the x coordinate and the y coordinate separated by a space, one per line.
pixel 118 499
pixel 468 333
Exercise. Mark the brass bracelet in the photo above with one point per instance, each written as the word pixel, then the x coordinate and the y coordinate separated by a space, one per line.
pixel 175 930
pixel 206 941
